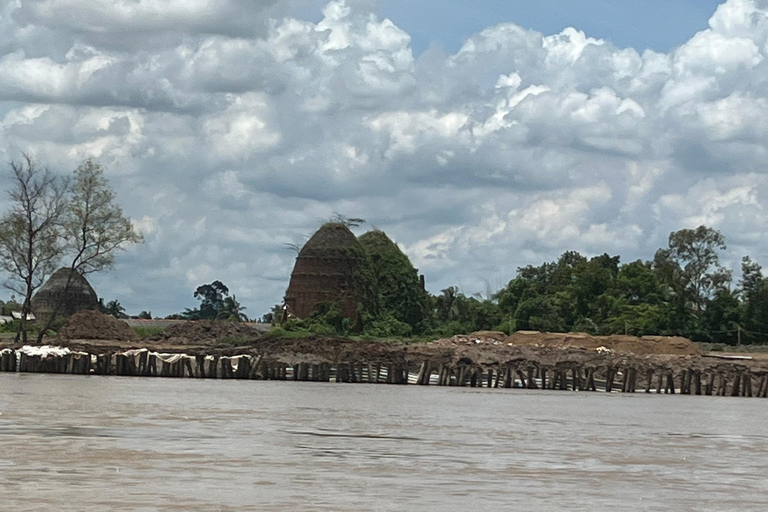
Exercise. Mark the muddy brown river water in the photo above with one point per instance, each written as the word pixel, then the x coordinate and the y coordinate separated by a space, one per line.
pixel 149 444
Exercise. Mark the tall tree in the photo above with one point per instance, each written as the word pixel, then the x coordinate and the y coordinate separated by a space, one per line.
pixel 690 266
pixel 31 231
pixel 215 303
pixel 754 294
pixel 94 227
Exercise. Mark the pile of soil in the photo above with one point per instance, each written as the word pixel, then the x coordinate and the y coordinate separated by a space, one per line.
pixel 646 345
pixel 92 325
pixel 205 332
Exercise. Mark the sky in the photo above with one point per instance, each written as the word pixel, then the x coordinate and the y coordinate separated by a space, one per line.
pixel 479 136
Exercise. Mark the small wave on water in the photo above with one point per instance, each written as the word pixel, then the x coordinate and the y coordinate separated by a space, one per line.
pixel 331 433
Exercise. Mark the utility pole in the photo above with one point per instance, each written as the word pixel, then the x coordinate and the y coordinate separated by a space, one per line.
pixel 738 335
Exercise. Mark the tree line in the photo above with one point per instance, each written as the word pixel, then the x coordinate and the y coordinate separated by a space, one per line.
pixel 684 290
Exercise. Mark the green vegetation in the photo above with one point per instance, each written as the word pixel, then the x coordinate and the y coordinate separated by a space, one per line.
pixel 215 304
pixel 402 303
pixel 147 332
pixel 52 219
pixel 683 291
pixel 113 308
pixel 236 341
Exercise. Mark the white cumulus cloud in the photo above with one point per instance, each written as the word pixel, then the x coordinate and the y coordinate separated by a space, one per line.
pixel 233 128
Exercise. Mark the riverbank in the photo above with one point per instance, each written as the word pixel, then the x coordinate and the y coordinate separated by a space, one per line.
pixel 486 359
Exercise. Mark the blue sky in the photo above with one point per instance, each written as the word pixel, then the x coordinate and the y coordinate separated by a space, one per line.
pixel 231 129
pixel 656 24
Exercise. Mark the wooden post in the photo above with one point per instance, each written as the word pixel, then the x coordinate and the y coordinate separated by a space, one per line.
pixel 736 385
pixel 660 383
pixel 523 383
pixel 609 380
pixel 445 379
pixel 670 383
pixel 710 384
pixel 213 368
pixel 422 372
pixel 761 390
pixel 188 366
pixel 142 368
pixel 591 380
pixel 531 379
pixel 578 379
pixel 723 384
pixel 632 380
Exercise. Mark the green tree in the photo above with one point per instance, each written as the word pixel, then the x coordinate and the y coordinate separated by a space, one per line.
pixel 31 231
pixel 231 310
pixel 93 228
pixel 754 294
pixel 448 304
pixel 400 293
pixel 216 304
pixel 691 264
pixel 691 272
pixel 211 298
pixel 113 308
pixel 723 317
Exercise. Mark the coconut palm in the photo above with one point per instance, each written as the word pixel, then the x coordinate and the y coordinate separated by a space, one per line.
pixel 231 310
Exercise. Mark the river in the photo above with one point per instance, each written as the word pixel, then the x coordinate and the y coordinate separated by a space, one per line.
pixel 150 444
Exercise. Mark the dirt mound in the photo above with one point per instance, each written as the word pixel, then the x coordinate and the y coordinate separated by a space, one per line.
pixel 205 332
pixel 92 325
pixel 647 345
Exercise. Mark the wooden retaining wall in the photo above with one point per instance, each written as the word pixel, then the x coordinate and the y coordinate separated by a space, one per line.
pixel 717 379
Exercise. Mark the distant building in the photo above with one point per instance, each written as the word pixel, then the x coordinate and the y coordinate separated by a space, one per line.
pixel 331 267
pixel 69 299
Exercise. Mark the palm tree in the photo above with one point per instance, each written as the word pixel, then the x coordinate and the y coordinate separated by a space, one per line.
pixel 447 304
pixel 231 310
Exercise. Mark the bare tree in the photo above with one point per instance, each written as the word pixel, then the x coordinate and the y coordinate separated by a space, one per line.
pixel 31 231
pixel 94 228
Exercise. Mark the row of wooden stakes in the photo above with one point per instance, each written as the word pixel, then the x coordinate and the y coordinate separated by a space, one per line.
pixel 732 381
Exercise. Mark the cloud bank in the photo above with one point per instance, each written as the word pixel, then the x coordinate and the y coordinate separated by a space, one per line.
pixel 230 129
